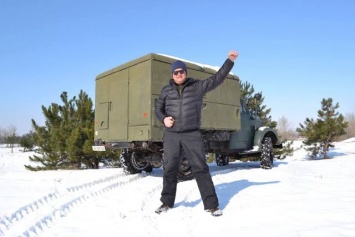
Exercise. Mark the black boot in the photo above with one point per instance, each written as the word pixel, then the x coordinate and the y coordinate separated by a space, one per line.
pixel 215 211
pixel 162 208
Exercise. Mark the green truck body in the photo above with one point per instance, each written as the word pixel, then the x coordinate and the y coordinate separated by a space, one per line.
pixel 125 98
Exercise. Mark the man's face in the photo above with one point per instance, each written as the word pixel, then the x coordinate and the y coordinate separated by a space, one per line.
pixel 179 76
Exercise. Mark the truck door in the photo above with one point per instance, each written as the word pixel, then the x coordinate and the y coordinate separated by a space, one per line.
pixel 243 139
pixel 118 106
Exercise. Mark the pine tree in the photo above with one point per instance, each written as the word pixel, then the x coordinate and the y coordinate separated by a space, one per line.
pixel 254 102
pixel 320 134
pixel 66 138
pixel 248 95
pixel 27 141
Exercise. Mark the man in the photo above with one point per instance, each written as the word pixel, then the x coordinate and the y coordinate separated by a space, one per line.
pixel 179 109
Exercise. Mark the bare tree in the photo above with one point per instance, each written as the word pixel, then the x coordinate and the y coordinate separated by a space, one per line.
pixel 350 131
pixel 10 137
pixel 284 129
pixel 1 136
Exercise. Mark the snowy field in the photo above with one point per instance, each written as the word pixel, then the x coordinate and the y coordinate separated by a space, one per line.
pixel 297 198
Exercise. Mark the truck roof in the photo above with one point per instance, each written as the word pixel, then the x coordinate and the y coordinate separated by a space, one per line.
pixel 164 58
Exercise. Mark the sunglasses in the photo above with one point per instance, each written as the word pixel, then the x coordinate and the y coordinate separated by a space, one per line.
pixel 178 71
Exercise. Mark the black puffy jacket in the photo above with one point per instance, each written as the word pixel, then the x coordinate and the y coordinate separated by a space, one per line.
pixel 186 108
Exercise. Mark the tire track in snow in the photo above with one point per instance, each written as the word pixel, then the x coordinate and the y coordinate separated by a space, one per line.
pixel 22 212
pixel 45 200
pixel 56 205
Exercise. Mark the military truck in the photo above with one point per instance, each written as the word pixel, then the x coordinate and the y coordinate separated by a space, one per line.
pixel 125 117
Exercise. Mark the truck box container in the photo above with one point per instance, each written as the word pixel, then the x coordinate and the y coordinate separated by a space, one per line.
pixel 126 95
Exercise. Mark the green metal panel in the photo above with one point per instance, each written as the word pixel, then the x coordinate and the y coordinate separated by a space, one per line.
pixel 111 103
pixel 102 116
pixel 219 116
pixel 101 109
pixel 243 138
pixel 139 101
pixel 160 75
pixel 118 106
pixel 139 133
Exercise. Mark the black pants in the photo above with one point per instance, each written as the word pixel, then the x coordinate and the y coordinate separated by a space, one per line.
pixel 194 150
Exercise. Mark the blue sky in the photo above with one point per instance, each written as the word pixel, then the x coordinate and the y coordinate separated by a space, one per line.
pixel 295 52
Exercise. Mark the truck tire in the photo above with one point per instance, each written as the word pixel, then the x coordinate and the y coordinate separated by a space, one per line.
pixel 185 176
pixel 139 162
pixel 125 161
pixel 267 156
pixel 185 172
pixel 133 162
pixel 222 160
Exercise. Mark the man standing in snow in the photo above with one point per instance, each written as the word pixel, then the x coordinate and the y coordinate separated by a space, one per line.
pixel 179 109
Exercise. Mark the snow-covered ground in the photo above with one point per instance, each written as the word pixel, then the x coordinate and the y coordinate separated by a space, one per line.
pixel 298 197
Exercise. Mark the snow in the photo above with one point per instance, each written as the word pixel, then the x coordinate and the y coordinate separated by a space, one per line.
pixel 216 68
pixel 298 197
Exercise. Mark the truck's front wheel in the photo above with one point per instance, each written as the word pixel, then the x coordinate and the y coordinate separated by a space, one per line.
pixel 267 155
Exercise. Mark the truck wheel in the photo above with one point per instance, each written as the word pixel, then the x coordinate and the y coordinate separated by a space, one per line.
pixel 125 161
pixel 185 176
pixel 185 172
pixel 267 156
pixel 149 169
pixel 139 162
pixel 222 160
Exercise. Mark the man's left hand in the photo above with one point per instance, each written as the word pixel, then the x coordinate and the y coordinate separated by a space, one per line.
pixel 233 55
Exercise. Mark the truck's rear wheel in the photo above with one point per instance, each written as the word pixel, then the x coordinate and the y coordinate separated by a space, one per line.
pixel 185 172
pixel 222 160
pixel 139 162
pixel 133 162
pixel 125 160
pixel 267 155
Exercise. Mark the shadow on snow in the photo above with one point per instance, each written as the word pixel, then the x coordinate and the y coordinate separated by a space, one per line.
pixel 226 191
